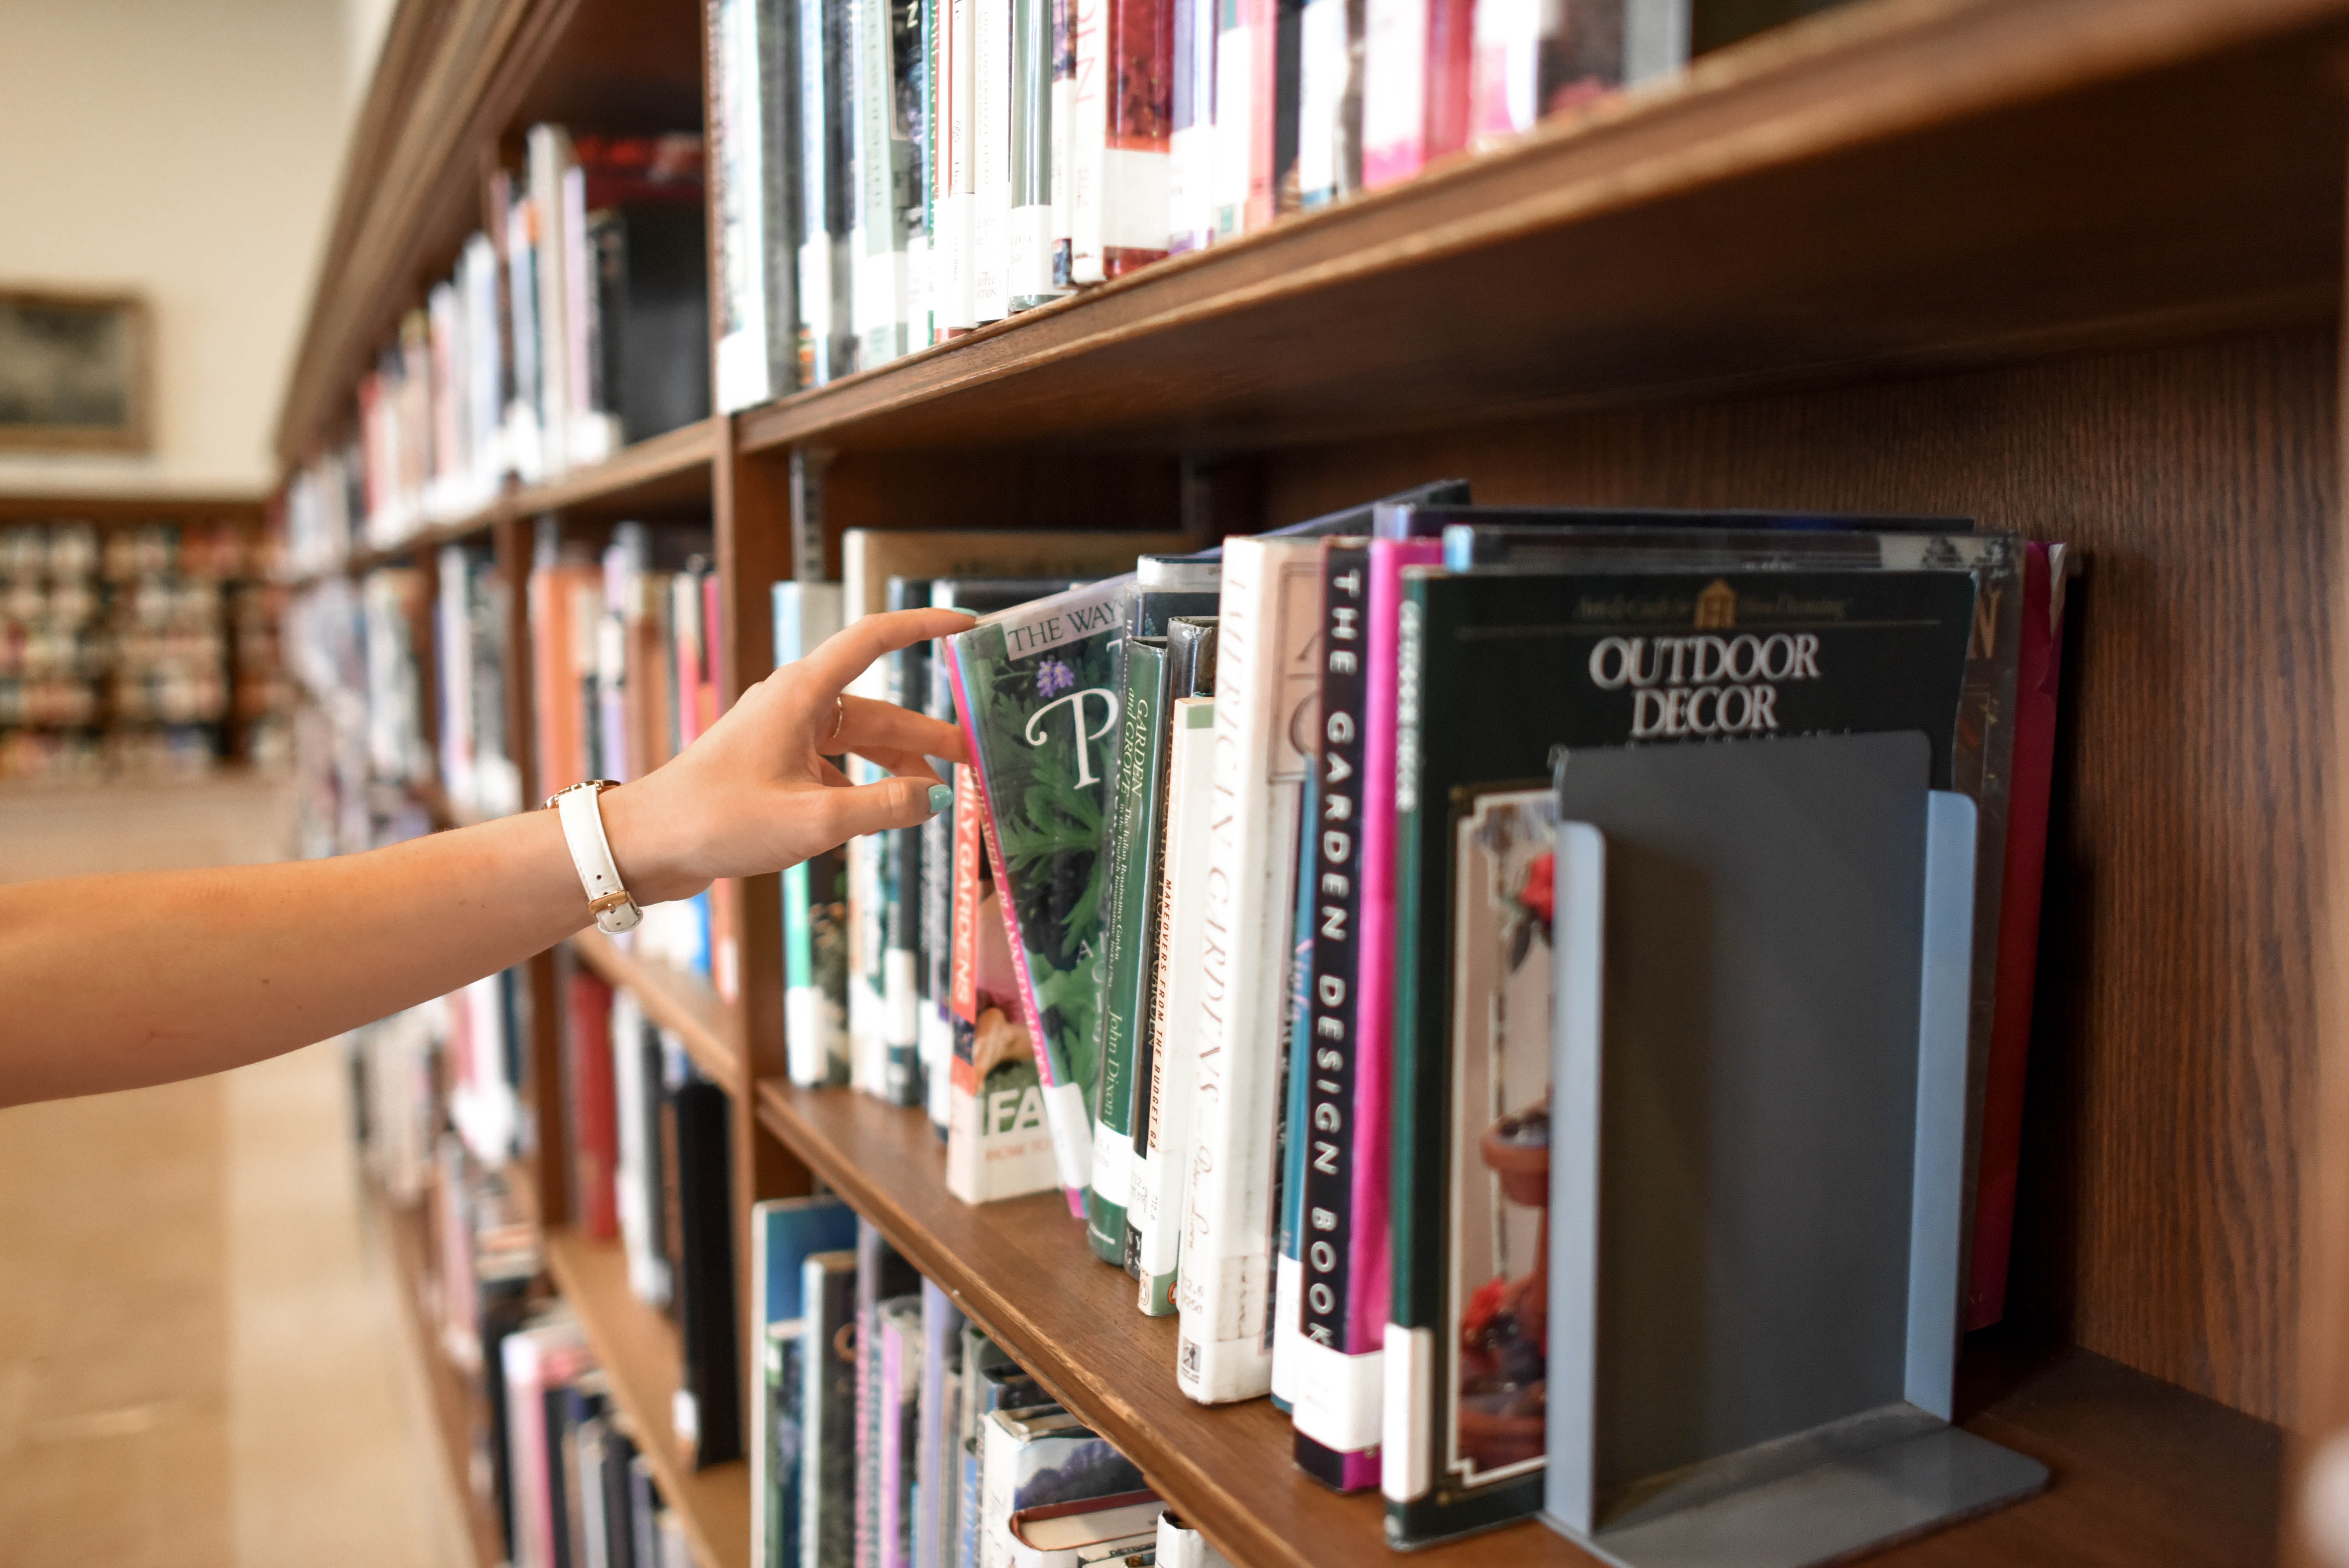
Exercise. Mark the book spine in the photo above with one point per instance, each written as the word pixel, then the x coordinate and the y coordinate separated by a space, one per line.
pixel 2039 675
pixel 1088 140
pixel 1137 85
pixel 1063 126
pixel 815 994
pixel 1029 281
pixel 1451 44
pixel 775 43
pixel 1395 90
pixel 595 1122
pixel 1271 107
pixel 934 1022
pixel 1265 643
pixel 879 166
pixel 739 364
pixel 1162 1192
pixel 991 161
pixel 957 303
pixel 1064 1103
pixel 892 1533
pixel 1330 1428
pixel 1236 116
pixel 829 1462
pixel 1288 1264
pixel 1131 850
pixel 962 995
pixel 705 1207
pixel 1371 1299
pixel 1190 140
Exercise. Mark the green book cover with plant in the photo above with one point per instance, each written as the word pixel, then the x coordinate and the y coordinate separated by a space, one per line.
pixel 1040 701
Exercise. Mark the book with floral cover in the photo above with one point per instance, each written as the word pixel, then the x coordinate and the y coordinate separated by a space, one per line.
pixel 1036 693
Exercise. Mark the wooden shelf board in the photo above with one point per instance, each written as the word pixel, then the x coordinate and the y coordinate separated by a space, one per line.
pixel 711 1029
pixel 1902 185
pixel 638 1348
pixel 670 469
pixel 458 1406
pixel 2144 1473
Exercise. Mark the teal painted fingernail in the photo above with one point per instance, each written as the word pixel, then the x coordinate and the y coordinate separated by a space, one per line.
pixel 940 799
pixel 960 611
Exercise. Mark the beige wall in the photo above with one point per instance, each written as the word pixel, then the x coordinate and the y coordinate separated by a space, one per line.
pixel 188 149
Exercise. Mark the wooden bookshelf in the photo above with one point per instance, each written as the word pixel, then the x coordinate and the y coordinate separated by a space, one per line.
pixel 2071 267
pixel 1905 186
pixel 638 1348
pixel 2144 1472
pixel 458 1406
pixel 665 473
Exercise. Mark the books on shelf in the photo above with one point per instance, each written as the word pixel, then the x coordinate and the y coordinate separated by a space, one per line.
pixel 576 323
pixel 624 654
pixel 890 177
pixel 138 649
pixel 1270 888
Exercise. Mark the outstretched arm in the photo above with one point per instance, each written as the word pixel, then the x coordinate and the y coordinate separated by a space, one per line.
pixel 113 982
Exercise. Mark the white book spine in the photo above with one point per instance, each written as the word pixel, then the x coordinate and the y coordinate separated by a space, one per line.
pixel 1088 141
pixel 1324 65
pixel 991 161
pixel 1161 1190
pixel 1234 125
pixel 1266 669
pixel 957 306
pixel 877 240
pixel 740 356
pixel 550 152
pixel 1394 86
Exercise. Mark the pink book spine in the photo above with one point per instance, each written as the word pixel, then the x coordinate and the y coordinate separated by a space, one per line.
pixel 1369 1280
pixel 1030 1013
pixel 2038 682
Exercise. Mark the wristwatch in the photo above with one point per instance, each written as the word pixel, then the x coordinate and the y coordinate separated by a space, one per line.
pixel 591 852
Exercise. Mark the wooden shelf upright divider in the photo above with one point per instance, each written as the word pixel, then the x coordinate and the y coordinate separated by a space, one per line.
pixel 2069 267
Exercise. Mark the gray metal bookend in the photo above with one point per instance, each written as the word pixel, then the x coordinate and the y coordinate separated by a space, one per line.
pixel 1757 1161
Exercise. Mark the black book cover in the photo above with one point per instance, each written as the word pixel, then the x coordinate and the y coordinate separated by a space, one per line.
pixel 1498 672
pixel 619 1522
pixel 829 1489
pixel 652 317
pixel 712 1370
pixel 1326 1246
pixel 505 1305
pixel 907 680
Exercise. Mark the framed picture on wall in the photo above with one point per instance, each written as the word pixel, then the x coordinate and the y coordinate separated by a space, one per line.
pixel 75 372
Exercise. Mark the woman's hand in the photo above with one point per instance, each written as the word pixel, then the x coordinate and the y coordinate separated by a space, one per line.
pixel 755 794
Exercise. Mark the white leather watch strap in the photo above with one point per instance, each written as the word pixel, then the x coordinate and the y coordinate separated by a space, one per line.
pixel 582 829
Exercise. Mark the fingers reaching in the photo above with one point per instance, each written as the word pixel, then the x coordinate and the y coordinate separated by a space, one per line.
pixel 824 674
pixel 903 802
pixel 866 726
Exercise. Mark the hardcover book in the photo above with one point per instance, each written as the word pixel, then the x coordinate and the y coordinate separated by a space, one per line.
pixel 784 1233
pixel 1267 637
pixel 827 1489
pixel 1162 1195
pixel 815 908
pixel 1033 1458
pixel 1164 587
pixel 709 1402
pixel 1037 696
pixel 935 1023
pixel 998 1145
pixel 1336 1444
pixel 900 1383
pixel 882 1275
pixel 1494 672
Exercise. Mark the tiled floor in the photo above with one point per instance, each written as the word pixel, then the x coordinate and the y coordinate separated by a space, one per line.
pixel 201 1357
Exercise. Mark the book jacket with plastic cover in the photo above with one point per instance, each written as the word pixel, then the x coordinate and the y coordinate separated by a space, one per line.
pixel 1497 670
pixel 1038 699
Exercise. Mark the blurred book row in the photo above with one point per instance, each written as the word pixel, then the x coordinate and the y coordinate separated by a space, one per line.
pixel 136 652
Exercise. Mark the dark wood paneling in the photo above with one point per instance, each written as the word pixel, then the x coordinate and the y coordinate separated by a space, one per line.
pixel 2176 1038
